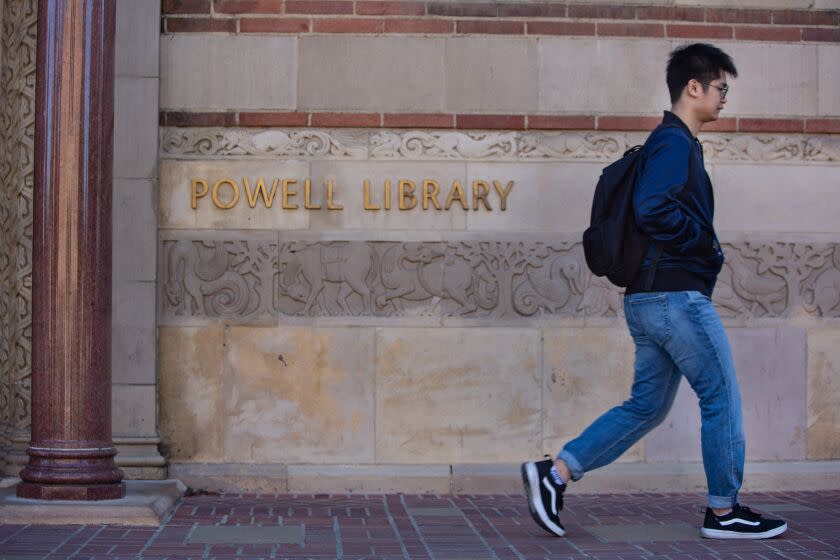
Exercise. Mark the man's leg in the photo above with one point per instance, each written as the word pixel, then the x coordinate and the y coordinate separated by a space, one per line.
pixel 655 384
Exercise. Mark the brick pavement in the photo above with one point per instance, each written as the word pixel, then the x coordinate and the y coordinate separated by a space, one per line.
pixel 437 527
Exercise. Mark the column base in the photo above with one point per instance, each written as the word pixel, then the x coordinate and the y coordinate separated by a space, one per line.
pixel 39 491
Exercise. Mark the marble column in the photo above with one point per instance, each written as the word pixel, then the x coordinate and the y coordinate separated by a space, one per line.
pixel 71 455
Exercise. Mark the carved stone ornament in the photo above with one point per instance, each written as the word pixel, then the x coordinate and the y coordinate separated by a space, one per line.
pixel 494 279
pixel 468 145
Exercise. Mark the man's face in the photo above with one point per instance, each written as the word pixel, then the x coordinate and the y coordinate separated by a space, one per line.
pixel 710 102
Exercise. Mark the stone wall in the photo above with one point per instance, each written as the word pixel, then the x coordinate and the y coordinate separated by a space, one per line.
pixel 435 349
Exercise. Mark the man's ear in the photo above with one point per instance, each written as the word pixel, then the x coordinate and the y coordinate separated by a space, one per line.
pixel 694 88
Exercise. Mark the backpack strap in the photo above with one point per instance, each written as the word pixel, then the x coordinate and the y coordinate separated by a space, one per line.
pixel 660 245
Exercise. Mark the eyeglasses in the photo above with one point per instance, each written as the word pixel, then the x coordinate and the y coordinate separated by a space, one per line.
pixel 724 89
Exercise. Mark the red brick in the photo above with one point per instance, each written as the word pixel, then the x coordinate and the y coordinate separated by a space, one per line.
pixel 274 25
pixel 729 124
pixel 185 7
pixel 181 118
pixel 347 25
pixel 390 8
pixel 504 122
pixel 273 119
pixel 671 13
pixel 418 120
pixel 820 34
pixel 319 7
pixel 183 25
pixel 806 17
pixel 601 12
pixel 346 119
pixel 731 15
pixel 768 33
pixel 561 122
pixel 823 126
pixel 511 9
pixel 771 125
pixel 699 31
pixel 560 28
pixel 247 6
pixel 627 123
pixel 462 9
pixel 419 25
pixel 631 29
pixel 485 26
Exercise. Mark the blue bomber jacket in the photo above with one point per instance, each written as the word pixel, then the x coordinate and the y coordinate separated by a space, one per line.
pixel 676 212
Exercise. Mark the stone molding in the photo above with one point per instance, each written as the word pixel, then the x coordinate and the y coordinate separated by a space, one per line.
pixel 389 145
pixel 245 279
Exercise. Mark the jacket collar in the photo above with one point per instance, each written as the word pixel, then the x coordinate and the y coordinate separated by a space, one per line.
pixel 670 118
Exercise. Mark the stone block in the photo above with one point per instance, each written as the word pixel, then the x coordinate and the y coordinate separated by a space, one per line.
pixel 457 395
pixel 828 69
pixel 217 72
pixel 299 395
pixel 486 73
pixel 192 392
pixel 349 183
pixel 133 332
pixel 345 72
pixel 545 197
pixel 776 198
pixel 342 479
pixel 792 92
pixel 585 373
pixel 135 127
pixel 177 194
pixel 824 394
pixel 232 477
pixel 134 225
pixel 137 38
pixel 770 366
pixel 573 74
pixel 133 410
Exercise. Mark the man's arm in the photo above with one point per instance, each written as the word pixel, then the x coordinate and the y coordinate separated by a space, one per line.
pixel 656 198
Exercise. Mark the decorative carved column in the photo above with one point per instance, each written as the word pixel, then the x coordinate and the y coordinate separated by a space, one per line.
pixel 72 454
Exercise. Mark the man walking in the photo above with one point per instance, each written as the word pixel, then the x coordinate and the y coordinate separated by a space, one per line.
pixel 669 312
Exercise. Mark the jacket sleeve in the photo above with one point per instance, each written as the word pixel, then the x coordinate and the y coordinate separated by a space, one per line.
pixel 658 210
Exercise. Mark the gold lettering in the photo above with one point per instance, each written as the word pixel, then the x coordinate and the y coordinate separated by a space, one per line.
pixel 214 194
pixel 286 194
pixel 368 205
pixel 430 192
pixel 480 191
pixel 456 192
pixel 268 199
pixel 503 194
pixel 407 194
pixel 330 205
pixel 307 189
pixel 387 194
pixel 198 194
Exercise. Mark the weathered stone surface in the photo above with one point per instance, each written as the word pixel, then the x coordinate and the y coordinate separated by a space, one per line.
pixel 192 392
pixel 585 373
pixel 135 127
pixel 177 188
pixel 457 395
pixel 133 333
pixel 828 57
pixel 823 394
pixel 300 394
pixel 137 49
pixel 770 366
pixel 134 410
pixel 342 479
pixel 134 226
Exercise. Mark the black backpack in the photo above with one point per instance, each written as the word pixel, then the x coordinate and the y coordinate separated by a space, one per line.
pixel 613 244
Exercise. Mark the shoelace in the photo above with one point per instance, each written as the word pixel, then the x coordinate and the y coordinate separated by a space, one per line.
pixel 746 512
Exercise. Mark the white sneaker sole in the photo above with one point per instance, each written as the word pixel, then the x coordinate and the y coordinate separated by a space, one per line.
pixel 536 503
pixel 723 534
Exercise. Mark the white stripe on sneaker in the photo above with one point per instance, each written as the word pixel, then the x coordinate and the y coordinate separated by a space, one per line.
pixel 739 520
pixel 553 493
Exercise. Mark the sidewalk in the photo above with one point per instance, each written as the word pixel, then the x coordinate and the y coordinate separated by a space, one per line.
pixel 599 527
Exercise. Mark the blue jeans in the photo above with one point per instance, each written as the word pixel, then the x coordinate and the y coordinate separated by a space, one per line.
pixel 676 333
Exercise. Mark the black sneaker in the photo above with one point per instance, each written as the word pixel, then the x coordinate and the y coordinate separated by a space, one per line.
pixel 740 523
pixel 545 497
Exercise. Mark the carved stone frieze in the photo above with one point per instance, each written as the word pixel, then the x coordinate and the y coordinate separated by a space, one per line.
pixel 492 279
pixel 487 146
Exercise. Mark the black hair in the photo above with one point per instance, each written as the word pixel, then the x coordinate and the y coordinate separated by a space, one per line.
pixel 698 61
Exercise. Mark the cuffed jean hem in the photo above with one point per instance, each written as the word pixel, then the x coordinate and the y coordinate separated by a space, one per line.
pixel 721 502
pixel 574 465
